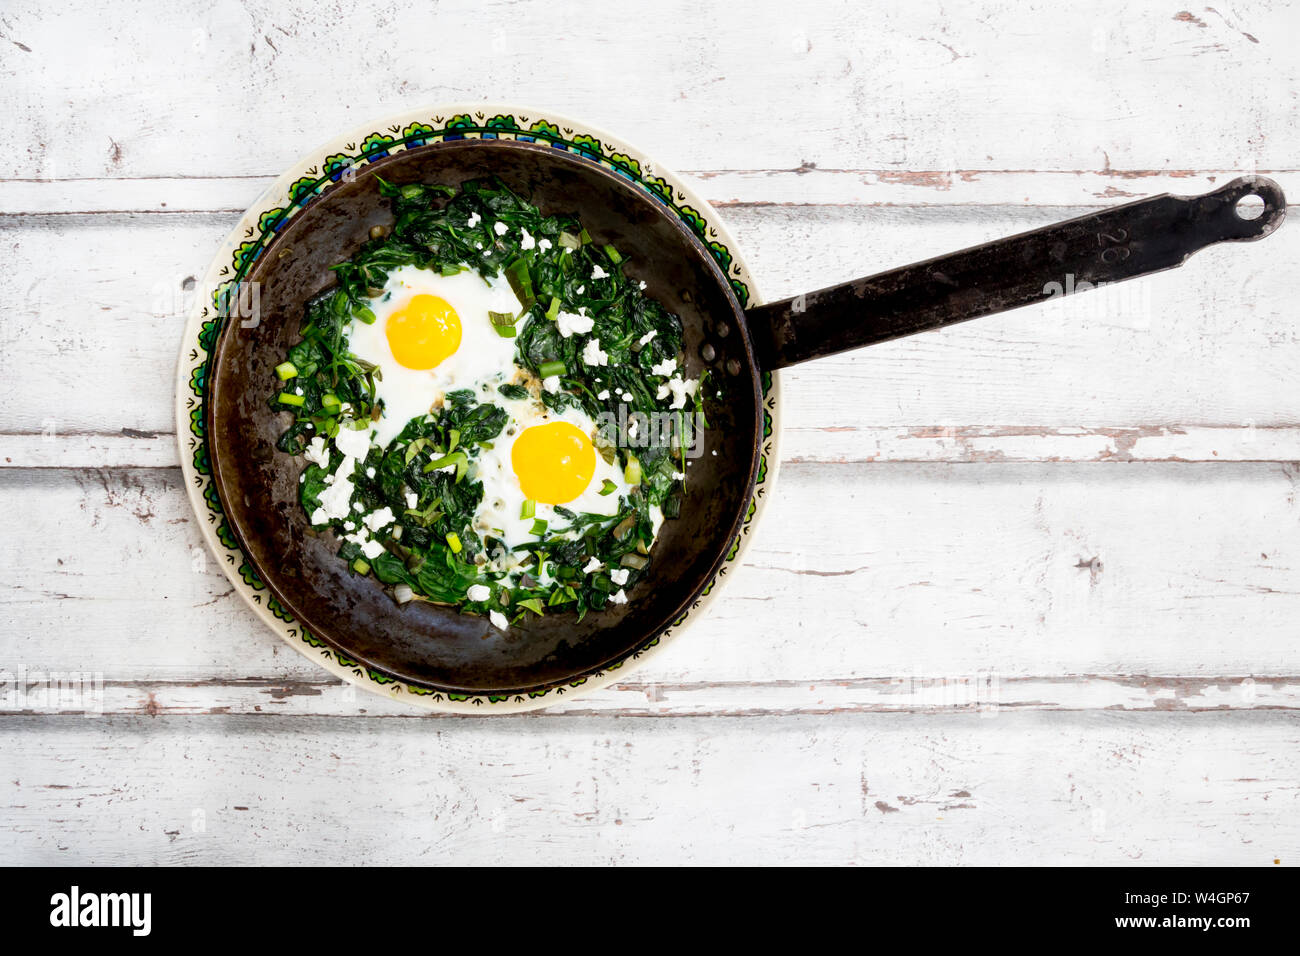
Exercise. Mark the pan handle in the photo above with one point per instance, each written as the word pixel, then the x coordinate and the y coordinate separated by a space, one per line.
pixel 1131 240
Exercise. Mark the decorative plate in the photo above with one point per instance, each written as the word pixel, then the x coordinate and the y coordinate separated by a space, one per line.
pixel 311 176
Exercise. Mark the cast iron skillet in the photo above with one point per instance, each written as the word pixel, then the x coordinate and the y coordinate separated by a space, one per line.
pixel 436 647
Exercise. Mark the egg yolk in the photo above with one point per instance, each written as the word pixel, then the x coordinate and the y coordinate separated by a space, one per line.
pixel 423 332
pixel 554 462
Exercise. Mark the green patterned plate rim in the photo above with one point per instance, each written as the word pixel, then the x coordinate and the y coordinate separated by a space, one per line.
pixel 313 175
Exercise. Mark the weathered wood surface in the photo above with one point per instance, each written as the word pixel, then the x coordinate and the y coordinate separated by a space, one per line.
pixel 1014 789
pixel 1027 592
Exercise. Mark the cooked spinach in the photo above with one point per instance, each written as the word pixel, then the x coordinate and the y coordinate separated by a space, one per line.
pixel 426 475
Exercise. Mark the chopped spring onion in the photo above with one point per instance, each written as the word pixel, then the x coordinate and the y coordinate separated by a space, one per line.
pixel 528 508
pixel 501 318
pixel 365 315
pixel 453 438
pixel 506 331
pixel 539 527
pixel 613 254
pixel 330 402
pixel 635 561
pixel 554 308
pixel 568 240
pixel 289 398
pixel 450 270
pixel 453 542
pixel 547 369
pixel 585 237
pixel 632 473
pixel 454 458
pixel 402 594
pixel 625 526
pixel 286 371
pixel 361 566
pixel 608 487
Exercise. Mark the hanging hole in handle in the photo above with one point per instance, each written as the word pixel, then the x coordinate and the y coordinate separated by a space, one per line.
pixel 1250 207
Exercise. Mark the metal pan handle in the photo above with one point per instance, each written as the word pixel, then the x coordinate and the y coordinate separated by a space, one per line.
pixel 1131 240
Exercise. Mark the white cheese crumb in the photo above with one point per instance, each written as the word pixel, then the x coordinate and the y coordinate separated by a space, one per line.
pixel 619 577
pixel 370 472
pixel 592 566
pixel 412 499
pixel 478 592
pixel 356 506
pixel 474 220
pixel 372 549
pixel 334 499
pixel 319 517
pixel 598 273
pixel 679 476
pixel 620 597
pixel 378 519
pixel 649 337
pixel 350 441
pixel 528 241
pixel 500 228
pixel 568 323
pixel 603 394
pixel 498 620
pixel 551 383
pixel 317 453
pixel 543 244
pixel 641 285
pixel 581 289
pixel 667 367
pixel 681 389
pixel 592 355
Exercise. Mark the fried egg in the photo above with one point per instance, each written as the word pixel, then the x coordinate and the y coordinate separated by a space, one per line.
pixel 547 458
pixel 432 335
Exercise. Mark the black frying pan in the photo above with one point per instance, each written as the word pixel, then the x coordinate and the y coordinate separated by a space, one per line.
pixel 435 647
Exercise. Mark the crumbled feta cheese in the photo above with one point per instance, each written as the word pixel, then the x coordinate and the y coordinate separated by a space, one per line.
pixel 370 472
pixel 592 355
pixel 334 499
pixel 663 392
pixel 500 228
pixel 317 453
pixel 568 323
pixel 648 337
pixel 620 597
pixel 372 549
pixel 679 476
pixel 478 592
pixel 412 499
pixel 498 620
pixel 568 251
pixel 551 383
pixel 603 394
pixel 581 289
pixel 619 577
pixel 350 441
pixel 598 273
pixel 667 367
pixel 528 241
pixel 681 390
pixel 632 429
pixel 474 220
pixel 357 507
pixel 349 526
pixel 543 244
pixel 378 519
pixel 641 285
pixel 592 566
pixel 319 517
